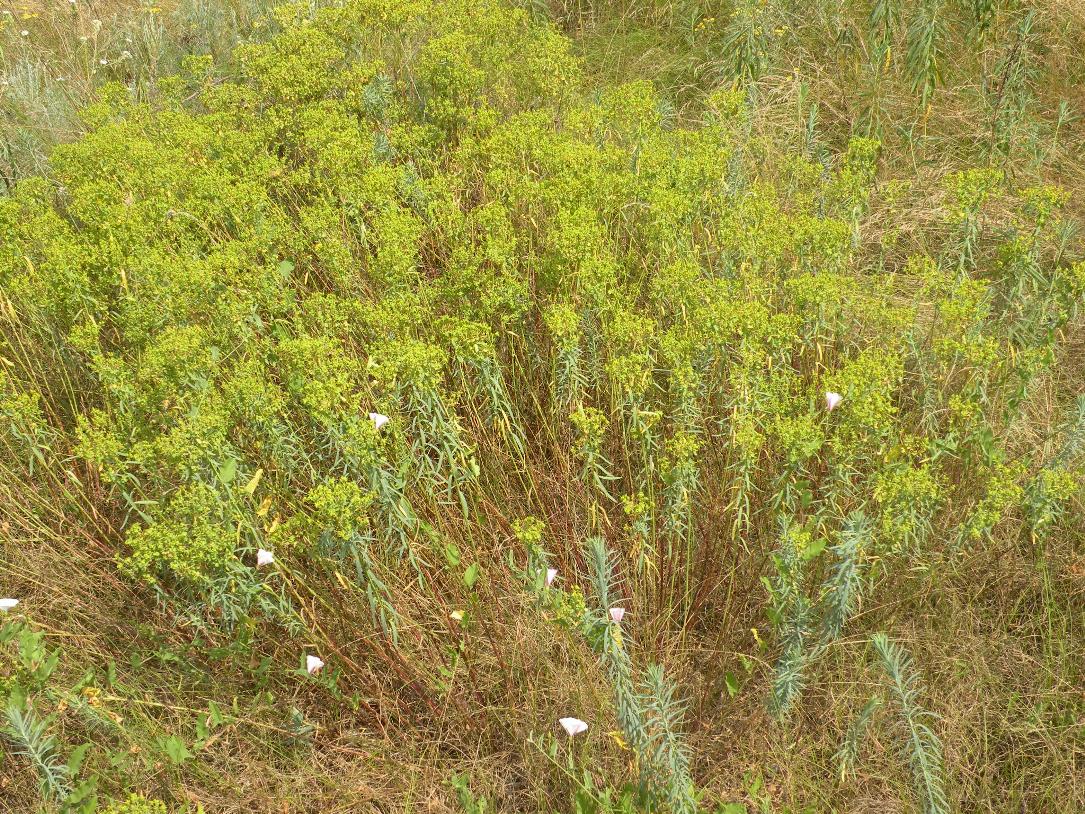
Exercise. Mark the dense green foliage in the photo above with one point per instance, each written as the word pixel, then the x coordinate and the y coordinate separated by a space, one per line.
pixel 603 333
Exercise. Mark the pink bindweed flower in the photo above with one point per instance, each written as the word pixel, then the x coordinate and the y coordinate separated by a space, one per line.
pixel 616 615
pixel 831 400
pixel 313 664
pixel 378 419
pixel 574 726
pixel 264 558
pixel 551 575
pixel 8 604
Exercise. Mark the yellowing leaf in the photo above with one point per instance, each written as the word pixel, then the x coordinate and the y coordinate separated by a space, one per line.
pixel 250 487
pixel 618 739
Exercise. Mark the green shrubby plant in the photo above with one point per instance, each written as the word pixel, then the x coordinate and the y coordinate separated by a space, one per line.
pixel 1001 494
pixel 137 804
pixel 908 497
pixel 569 377
pixel 919 742
pixel 340 517
pixel 747 41
pixel 412 371
pixel 480 374
pixel 33 700
pixel 592 426
pixel 792 615
pixel 648 713
pixel 395 278
pixel 187 540
pixel 24 426
pixel 32 741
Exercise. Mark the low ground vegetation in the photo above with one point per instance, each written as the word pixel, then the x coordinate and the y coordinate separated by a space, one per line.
pixel 480 406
